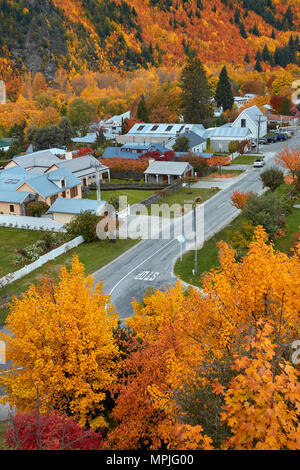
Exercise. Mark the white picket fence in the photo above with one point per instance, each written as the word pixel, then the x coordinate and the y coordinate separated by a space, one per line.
pixel 42 224
pixel 124 213
pixel 9 278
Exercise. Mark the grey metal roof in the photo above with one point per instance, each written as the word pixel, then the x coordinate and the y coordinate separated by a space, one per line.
pixel 81 165
pixel 167 168
pixel 253 112
pixel 43 159
pixel 74 206
pixel 231 132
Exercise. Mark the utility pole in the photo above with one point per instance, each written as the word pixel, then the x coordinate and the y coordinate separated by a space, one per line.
pixel 195 231
pixel 258 135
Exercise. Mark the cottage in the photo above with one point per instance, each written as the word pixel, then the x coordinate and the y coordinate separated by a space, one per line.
pixel 14 202
pixel 64 210
pixel 168 172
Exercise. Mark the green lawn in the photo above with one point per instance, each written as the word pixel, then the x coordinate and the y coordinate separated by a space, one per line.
pixel 186 196
pixel 93 255
pixel 207 256
pixel 11 240
pixel 245 159
pixel 293 225
pixel 133 195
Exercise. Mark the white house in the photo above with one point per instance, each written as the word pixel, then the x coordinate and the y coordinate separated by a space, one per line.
pixel 253 119
pixel 157 133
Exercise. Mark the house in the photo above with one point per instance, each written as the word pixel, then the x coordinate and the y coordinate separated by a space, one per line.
pixel 36 162
pixel 49 186
pixel 82 167
pixel 156 133
pixel 221 137
pixel 240 101
pixel 196 142
pixel 112 127
pixel 64 210
pixel 5 144
pixel 46 187
pixel 280 119
pixel 253 119
pixel 14 202
pixel 167 172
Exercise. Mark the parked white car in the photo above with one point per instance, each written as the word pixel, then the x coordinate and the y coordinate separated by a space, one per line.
pixel 259 163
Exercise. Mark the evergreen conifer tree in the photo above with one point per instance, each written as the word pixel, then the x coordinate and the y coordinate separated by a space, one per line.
pixel 142 111
pixel 196 93
pixel 224 96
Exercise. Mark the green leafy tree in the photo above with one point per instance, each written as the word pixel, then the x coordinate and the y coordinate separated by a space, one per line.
pixel 36 208
pixel 84 225
pixel 46 137
pixel 264 210
pixel 272 178
pixel 285 107
pixel 224 95
pixel 182 144
pixel 81 114
pixel 196 93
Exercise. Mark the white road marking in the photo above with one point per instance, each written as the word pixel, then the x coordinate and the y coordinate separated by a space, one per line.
pixel 136 267
pixel 147 276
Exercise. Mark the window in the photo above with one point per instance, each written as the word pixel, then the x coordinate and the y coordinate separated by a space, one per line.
pixel 140 128
pixel 12 208
pixel 154 128
pixel 243 123
pixel 169 128
pixel 74 192
pixel 63 183
pixel 64 194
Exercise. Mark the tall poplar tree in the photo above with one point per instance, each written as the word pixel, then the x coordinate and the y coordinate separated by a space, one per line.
pixel 224 96
pixel 196 93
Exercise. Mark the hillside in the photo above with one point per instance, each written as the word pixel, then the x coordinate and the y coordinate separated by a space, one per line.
pixel 42 35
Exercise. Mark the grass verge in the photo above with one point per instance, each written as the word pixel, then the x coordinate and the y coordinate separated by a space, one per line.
pixel 245 159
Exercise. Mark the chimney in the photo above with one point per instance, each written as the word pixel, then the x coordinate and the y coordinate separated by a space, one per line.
pixel 68 155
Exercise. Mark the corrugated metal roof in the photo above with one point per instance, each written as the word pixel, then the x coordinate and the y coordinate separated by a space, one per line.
pixel 81 163
pixel 231 132
pixel 16 197
pixel 74 206
pixel 167 168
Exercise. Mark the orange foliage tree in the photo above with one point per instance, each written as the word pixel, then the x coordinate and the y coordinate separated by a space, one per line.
pixel 289 158
pixel 239 199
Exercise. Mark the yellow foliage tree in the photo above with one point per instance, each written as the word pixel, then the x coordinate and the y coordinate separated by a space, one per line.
pixel 62 346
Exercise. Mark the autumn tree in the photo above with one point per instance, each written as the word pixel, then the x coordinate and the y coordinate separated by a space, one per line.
pixel 62 345
pixel 239 199
pixel 203 332
pixel 289 158
pixel 218 161
pixel 262 402
pixel 224 95
pixel 196 93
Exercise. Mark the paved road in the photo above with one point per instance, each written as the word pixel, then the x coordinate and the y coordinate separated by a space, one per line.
pixel 150 263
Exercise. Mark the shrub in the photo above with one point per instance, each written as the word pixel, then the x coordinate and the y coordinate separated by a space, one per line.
pixel 84 224
pixel 272 178
pixel 51 432
pixel 264 210
pixel 37 208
